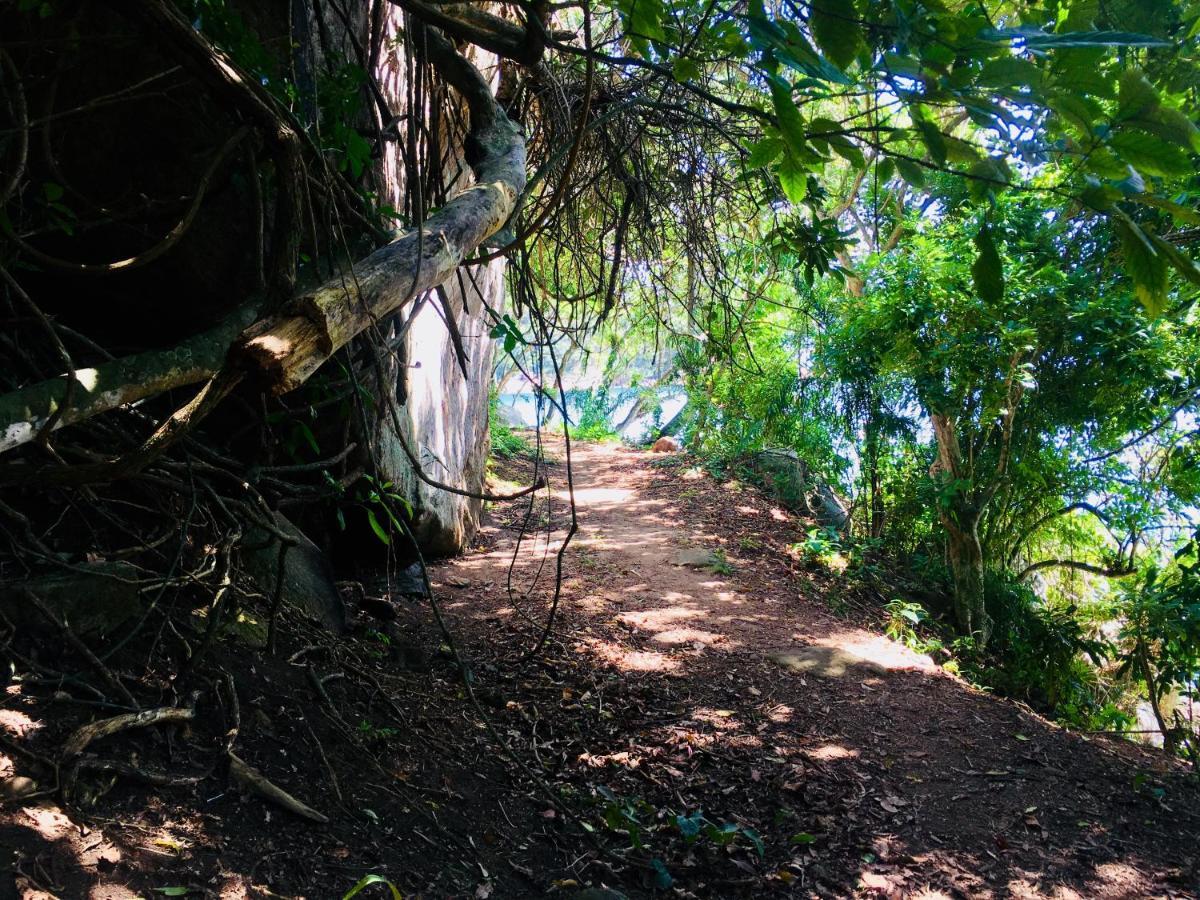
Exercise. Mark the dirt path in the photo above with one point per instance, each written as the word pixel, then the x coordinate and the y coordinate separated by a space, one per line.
pixel 732 689
pixel 701 708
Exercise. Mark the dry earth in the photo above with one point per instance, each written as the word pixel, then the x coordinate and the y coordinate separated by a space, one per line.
pixel 695 671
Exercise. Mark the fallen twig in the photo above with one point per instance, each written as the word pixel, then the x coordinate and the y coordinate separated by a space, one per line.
pixel 252 781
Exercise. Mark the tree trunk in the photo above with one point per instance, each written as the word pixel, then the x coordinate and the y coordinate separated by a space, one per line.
pixel 960 514
pixel 966 567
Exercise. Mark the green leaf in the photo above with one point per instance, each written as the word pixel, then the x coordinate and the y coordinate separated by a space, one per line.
pixel 793 178
pixel 1149 154
pixel 803 837
pixel 1036 39
pixel 1178 212
pixel 931 135
pixel 1010 72
pixel 1136 96
pixel 988 177
pixel 1171 125
pixel 791 126
pixel 643 22
pixel 987 271
pixel 911 172
pixel 685 69
pixel 309 437
pixel 377 528
pixel 173 891
pixel 662 878
pixel 1179 261
pixel 1074 109
pixel 367 881
pixel 764 152
pixel 1145 265
pixel 836 29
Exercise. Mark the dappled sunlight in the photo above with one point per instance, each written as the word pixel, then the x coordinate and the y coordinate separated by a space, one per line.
pixel 878 650
pixel 17 723
pixel 627 660
pixel 781 714
pixel 48 821
pixel 720 719
pixel 831 752
pixel 689 636
pixel 598 496
pixel 652 619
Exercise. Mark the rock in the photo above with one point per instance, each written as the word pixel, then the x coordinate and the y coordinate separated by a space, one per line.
pixel 17 787
pixel 828 508
pixel 666 444
pixel 308 582
pixel 409 583
pixel 787 477
pixel 830 662
pixel 94 599
pixel 695 558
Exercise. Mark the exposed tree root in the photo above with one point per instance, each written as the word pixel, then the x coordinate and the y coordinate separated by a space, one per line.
pixel 252 781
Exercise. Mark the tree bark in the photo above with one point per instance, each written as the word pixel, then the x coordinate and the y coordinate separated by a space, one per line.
pixel 119 382
pixel 282 352
pixel 960 516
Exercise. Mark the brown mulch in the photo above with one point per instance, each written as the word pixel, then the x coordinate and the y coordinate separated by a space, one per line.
pixel 659 749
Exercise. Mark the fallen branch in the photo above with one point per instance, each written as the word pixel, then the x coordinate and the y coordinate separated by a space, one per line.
pixel 87 734
pixel 252 781
pixel 24 412
pixel 128 770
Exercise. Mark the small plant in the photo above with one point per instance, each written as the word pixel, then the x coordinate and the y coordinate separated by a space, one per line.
pixel 368 880
pixel 720 564
pixel 823 547
pixel 904 618
pixel 623 815
pixel 695 827
pixel 373 733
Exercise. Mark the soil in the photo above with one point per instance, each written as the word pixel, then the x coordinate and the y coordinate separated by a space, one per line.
pixel 710 717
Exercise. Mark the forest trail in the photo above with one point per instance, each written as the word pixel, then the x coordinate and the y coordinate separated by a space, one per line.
pixel 700 707
pixel 732 688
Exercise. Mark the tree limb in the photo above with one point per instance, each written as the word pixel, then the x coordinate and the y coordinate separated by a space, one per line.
pixel 282 352
pixel 24 412
pixel 1106 571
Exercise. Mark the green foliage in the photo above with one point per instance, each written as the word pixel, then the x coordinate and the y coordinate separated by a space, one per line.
pixel 695 828
pixel 1160 641
pixel 905 621
pixel 382 504
pixel 505 442
pixel 1041 653
pixel 596 407
pixel 366 881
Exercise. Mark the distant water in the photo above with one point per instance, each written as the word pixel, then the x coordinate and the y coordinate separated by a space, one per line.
pixel 521 409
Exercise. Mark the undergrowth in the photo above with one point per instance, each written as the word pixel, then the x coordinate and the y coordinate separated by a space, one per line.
pixel 506 443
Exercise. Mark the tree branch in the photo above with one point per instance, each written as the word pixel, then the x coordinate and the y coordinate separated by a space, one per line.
pixel 282 352
pixel 1115 571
